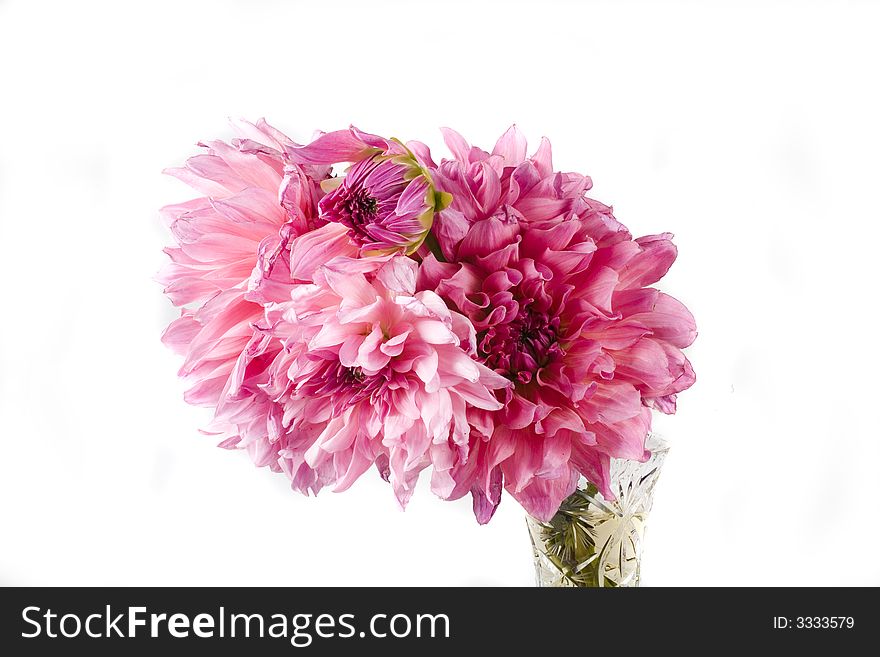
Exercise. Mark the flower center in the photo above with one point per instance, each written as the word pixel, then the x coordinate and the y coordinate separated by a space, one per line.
pixel 359 209
pixel 345 386
pixel 518 349
pixel 366 200
pixel 352 375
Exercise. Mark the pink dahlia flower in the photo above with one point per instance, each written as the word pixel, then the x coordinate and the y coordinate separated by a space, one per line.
pixel 219 238
pixel 386 199
pixel 374 372
pixel 557 291
pixel 233 256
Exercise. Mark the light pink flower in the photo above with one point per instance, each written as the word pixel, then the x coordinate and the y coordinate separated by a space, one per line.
pixel 557 291
pixel 233 256
pixel 378 372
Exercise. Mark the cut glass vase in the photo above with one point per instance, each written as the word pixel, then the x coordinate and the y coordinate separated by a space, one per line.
pixel 594 542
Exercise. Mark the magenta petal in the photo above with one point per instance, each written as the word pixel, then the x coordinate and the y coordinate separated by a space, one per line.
pixel 520 468
pixel 541 497
pixel 456 144
pixel 612 402
pixel 648 266
pixel 594 465
pixel 487 236
pixel 422 153
pixel 486 502
pixel 511 146
pixel 543 158
pixel 669 320
pixel 520 413
pixel 645 364
pixel 330 148
pixel 625 439
pixel 450 227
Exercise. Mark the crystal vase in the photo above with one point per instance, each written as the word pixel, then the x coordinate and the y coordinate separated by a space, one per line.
pixel 592 541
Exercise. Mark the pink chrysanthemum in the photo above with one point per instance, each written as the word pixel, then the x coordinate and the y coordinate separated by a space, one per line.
pixel 556 289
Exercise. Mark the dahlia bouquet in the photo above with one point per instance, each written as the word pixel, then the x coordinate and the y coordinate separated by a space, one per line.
pixel 353 303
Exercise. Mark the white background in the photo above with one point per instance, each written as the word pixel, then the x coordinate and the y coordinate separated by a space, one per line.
pixel 750 130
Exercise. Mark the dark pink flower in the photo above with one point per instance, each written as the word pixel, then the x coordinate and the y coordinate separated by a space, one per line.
pixel 386 198
pixel 557 291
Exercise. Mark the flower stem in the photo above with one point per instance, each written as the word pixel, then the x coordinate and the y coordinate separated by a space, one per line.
pixel 569 542
pixel 434 246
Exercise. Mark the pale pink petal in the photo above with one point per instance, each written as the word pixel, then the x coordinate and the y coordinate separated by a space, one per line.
pixel 312 250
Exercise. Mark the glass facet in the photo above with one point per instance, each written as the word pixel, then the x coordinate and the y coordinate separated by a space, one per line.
pixel 594 542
